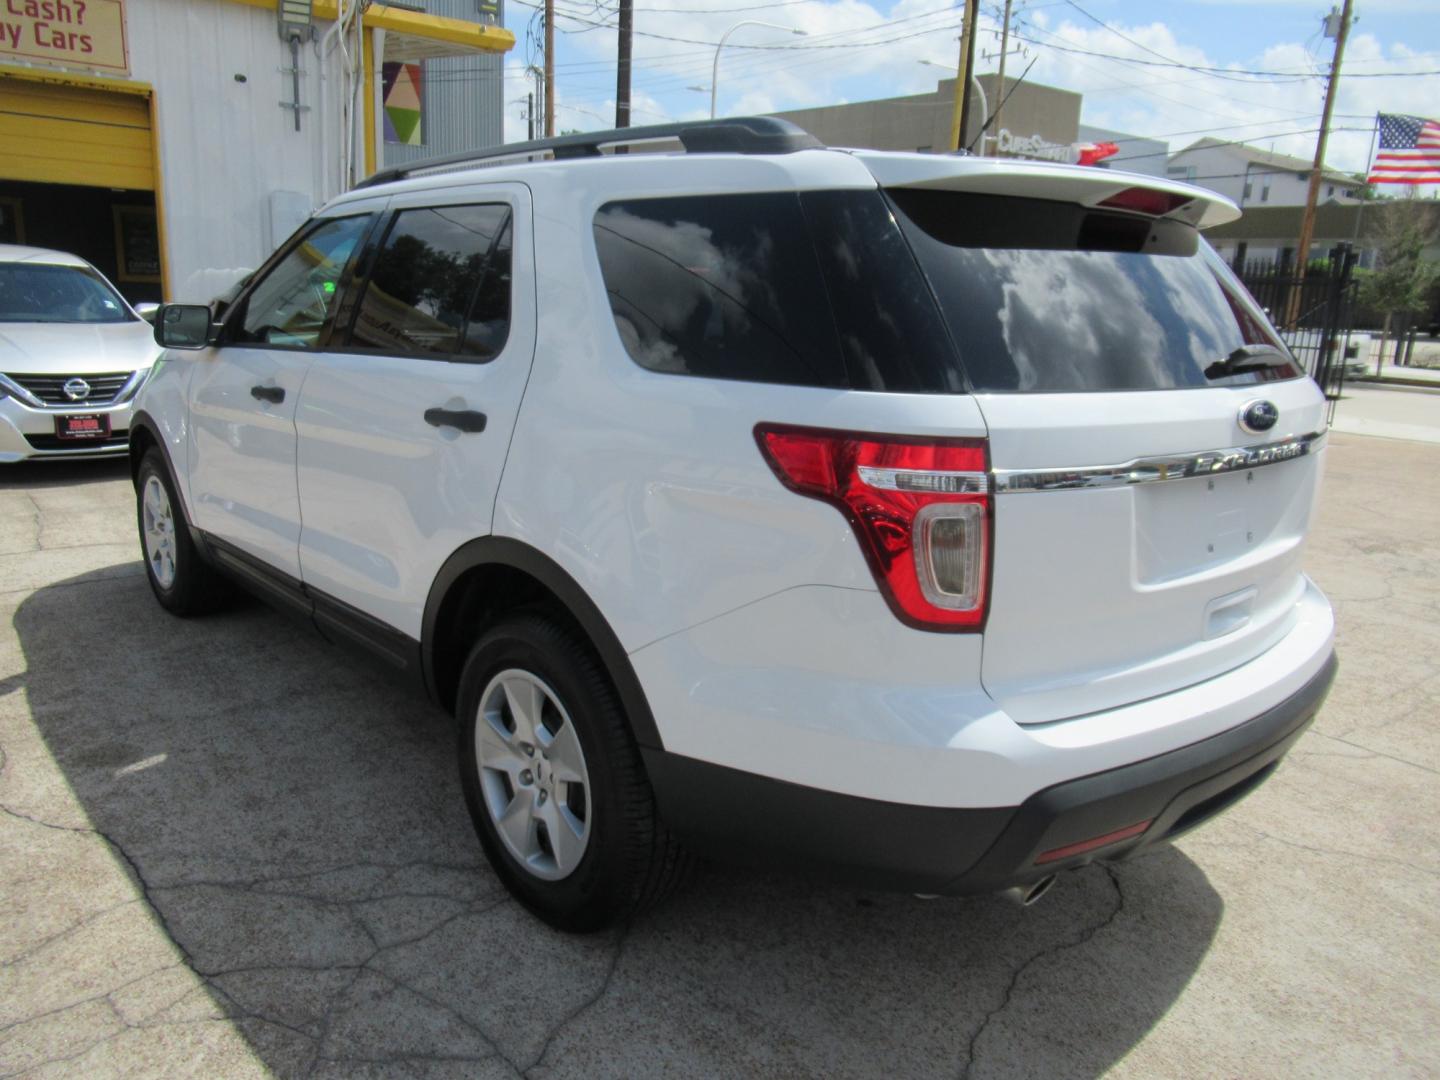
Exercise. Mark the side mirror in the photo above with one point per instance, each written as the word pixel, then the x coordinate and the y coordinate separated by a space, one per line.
pixel 147 310
pixel 183 326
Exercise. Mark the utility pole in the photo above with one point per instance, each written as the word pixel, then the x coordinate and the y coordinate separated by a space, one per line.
pixel 1307 223
pixel 961 113
pixel 549 69
pixel 622 76
pixel 530 114
pixel 538 96
pixel 1000 87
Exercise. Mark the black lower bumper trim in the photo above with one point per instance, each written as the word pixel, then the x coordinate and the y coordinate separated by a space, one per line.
pixel 740 816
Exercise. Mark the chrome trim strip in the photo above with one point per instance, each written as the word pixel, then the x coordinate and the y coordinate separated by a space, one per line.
pixel 131 387
pixel 1152 470
pixel 19 393
pixel 924 481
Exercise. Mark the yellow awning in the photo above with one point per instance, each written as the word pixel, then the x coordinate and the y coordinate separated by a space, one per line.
pixel 413 35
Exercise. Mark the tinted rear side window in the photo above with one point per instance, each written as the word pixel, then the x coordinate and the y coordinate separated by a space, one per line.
pixel 725 287
pixel 439 285
pixel 890 333
pixel 1049 297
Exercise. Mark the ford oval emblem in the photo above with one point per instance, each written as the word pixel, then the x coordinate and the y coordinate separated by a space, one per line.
pixel 76 389
pixel 1259 416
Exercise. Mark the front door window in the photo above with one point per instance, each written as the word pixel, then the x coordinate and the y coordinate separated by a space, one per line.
pixel 291 305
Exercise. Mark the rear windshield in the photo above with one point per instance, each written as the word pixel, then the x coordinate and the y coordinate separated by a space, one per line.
pixel 39 292
pixel 1045 296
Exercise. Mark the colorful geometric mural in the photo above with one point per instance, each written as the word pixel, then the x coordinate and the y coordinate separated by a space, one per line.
pixel 403 97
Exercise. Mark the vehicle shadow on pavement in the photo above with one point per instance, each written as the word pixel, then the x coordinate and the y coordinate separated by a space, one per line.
pixel 63 474
pixel 297 828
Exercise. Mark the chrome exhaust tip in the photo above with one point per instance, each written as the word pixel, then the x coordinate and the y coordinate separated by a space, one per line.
pixel 1025 895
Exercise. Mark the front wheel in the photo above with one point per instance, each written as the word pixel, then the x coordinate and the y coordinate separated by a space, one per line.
pixel 181 580
pixel 554 781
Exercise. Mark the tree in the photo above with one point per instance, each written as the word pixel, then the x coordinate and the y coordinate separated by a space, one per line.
pixel 1402 230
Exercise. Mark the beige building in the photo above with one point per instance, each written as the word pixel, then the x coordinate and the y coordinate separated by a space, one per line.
pixel 1038 121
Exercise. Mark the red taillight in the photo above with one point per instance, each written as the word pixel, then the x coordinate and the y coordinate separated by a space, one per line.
pixel 920 508
pixel 1146 201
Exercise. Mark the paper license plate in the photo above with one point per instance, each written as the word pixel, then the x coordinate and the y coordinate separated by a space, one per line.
pixel 86 426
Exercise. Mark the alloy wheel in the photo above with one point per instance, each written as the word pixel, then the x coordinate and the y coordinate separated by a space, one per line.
pixel 533 776
pixel 159 530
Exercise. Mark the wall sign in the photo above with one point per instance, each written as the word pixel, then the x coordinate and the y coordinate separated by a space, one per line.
pixel 1033 146
pixel 70 33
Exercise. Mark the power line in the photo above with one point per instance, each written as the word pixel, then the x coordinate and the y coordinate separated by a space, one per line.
pixel 1122 37
pixel 780 48
pixel 1231 127
pixel 1188 106
pixel 1243 142
pixel 1289 76
pixel 755 57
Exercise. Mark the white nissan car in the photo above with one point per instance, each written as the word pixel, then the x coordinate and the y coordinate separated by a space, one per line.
pixel 73 353
pixel 931 522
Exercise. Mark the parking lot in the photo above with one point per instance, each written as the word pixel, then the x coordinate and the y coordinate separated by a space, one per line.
pixel 228 850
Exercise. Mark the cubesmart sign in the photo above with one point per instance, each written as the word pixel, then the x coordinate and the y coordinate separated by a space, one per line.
pixel 71 33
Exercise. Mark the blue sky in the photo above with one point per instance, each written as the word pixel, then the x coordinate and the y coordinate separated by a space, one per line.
pixel 860 49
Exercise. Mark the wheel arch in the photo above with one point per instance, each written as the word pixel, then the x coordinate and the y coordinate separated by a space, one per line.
pixel 493 574
pixel 145 433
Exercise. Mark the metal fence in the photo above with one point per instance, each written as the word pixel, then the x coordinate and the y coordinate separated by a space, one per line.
pixel 1314 308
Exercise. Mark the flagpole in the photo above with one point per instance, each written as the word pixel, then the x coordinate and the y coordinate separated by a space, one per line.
pixel 1369 161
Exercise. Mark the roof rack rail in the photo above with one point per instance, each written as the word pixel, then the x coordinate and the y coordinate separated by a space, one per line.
pixel 733 135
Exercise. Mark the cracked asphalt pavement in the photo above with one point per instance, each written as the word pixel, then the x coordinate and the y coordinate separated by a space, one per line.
pixel 228 850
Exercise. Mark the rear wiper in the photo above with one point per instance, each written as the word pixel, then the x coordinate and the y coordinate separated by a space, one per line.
pixel 1248 358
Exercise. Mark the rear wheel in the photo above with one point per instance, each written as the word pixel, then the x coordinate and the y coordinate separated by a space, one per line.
pixel 553 779
pixel 181 580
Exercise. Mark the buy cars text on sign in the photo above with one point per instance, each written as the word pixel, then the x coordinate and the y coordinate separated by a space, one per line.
pixel 75 33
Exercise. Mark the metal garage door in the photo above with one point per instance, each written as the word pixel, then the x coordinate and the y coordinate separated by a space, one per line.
pixel 58 134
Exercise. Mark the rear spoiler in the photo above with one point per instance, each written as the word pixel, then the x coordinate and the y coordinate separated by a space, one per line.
pixel 1101 188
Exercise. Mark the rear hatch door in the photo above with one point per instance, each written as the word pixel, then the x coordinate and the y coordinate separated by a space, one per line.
pixel 1156 449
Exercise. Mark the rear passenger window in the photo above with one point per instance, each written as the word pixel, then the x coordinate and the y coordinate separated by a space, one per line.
pixel 724 287
pixel 439 285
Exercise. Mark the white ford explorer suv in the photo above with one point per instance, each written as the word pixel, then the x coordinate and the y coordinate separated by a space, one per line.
pixel 931 522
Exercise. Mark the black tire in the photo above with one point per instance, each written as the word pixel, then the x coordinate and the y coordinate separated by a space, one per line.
pixel 630 860
pixel 196 588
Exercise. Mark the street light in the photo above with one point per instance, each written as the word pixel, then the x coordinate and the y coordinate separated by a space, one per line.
pixel 715 67
pixel 984 103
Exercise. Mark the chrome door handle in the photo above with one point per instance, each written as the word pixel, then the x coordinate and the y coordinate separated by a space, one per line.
pixel 273 394
pixel 466 420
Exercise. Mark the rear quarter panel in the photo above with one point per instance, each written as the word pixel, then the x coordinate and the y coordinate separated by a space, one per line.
pixel 649 489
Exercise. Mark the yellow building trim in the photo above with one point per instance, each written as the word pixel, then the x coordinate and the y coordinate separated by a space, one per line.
pixel 367 55
pixel 468 36
pixel 57 77
pixel 165 293
pixel 324 9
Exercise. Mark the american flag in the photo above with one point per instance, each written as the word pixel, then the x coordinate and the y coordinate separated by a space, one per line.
pixel 1409 151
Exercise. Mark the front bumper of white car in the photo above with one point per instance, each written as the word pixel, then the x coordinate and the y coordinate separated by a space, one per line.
pixel 29 431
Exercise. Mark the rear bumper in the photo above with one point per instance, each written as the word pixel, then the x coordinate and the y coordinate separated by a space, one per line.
pixel 885 845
